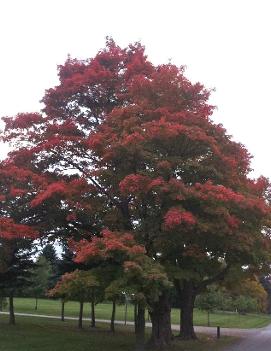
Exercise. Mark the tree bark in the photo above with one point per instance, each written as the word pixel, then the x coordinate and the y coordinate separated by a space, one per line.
pixel 125 312
pixel 112 323
pixel 93 319
pixel 140 327
pixel 135 317
pixel 11 311
pixel 36 303
pixel 187 296
pixel 80 320
pixel 161 335
pixel 62 310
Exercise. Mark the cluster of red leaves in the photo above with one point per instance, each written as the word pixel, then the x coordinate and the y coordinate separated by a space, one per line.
pixel 23 120
pixel 52 189
pixel 209 191
pixel 175 216
pixel 233 222
pixel 71 190
pixel 11 230
pixel 217 192
pixel 135 184
pixel 108 245
pixel 24 175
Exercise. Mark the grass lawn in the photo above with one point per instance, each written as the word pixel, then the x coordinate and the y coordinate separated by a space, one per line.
pixel 103 311
pixel 52 335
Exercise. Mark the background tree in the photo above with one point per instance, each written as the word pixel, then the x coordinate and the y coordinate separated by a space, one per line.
pixel 17 254
pixel 39 280
pixel 266 283
pixel 244 304
pixel 50 255
pixel 131 272
pixel 78 286
pixel 209 301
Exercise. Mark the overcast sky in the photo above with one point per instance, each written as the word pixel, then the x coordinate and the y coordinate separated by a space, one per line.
pixel 225 44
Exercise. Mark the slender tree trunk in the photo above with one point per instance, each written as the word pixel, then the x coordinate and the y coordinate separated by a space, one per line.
pixel 125 312
pixel 187 296
pixel 36 303
pixel 11 311
pixel 112 324
pixel 140 328
pixel 93 319
pixel 161 335
pixel 135 317
pixel 80 320
pixel 62 310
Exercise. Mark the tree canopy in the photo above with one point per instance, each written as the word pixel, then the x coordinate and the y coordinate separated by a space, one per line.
pixel 125 145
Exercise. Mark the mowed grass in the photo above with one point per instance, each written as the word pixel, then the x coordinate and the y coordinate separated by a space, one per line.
pixel 103 311
pixel 53 335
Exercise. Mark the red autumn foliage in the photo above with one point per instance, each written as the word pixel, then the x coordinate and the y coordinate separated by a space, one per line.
pixel 52 189
pixel 131 146
pixel 176 216
pixel 106 246
pixel 11 230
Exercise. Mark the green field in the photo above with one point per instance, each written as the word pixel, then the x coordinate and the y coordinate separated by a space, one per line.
pixel 52 335
pixel 103 311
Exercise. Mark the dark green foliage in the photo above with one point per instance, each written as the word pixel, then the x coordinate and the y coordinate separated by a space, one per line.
pixel 40 279
pixel 17 255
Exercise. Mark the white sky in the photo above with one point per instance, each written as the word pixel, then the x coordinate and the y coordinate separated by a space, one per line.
pixel 225 44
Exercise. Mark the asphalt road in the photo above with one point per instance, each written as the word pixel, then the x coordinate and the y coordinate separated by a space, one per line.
pixel 256 340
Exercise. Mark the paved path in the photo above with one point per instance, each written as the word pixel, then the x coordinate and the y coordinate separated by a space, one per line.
pixel 206 330
pixel 257 340
pixel 251 339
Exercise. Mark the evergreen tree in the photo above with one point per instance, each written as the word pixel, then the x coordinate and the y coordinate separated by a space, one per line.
pixel 17 255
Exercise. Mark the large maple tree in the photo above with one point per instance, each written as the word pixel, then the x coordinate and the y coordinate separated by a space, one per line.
pixel 130 146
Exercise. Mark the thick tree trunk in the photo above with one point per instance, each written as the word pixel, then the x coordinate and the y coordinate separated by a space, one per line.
pixel 187 296
pixel 112 323
pixel 62 310
pixel 80 320
pixel 11 311
pixel 36 304
pixel 140 328
pixel 161 335
pixel 93 319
